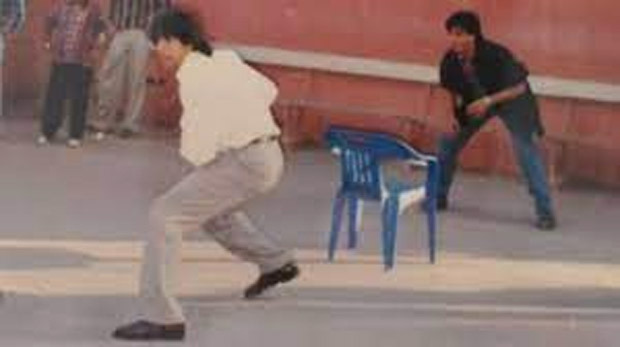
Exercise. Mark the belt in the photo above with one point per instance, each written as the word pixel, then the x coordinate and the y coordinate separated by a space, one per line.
pixel 263 139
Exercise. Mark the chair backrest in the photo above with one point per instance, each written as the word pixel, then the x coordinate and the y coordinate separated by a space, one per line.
pixel 361 154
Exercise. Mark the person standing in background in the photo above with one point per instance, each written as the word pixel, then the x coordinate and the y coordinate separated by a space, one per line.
pixel 12 18
pixel 122 77
pixel 72 32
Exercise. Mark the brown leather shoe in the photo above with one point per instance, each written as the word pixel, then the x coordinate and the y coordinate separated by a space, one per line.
pixel 268 280
pixel 142 330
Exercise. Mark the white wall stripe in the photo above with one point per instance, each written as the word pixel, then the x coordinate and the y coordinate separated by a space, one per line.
pixel 542 85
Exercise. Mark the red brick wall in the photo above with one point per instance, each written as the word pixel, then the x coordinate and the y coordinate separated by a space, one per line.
pixel 26 61
pixel 571 39
pixel 27 68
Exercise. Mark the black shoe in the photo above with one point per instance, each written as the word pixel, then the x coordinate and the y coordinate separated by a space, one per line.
pixel 126 133
pixel 546 223
pixel 144 330
pixel 266 281
pixel 442 203
pixel 92 128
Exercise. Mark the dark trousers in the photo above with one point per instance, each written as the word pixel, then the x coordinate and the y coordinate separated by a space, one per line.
pixel 68 82
pixel 526 152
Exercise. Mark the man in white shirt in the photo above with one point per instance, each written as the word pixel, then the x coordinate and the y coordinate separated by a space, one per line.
pixel 229 137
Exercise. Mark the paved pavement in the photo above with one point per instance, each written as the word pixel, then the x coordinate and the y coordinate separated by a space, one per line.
pixel 73 220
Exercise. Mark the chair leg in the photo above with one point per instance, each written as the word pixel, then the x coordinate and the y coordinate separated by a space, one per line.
pixel 336 223
pixel 394 230
pixel 390 229
pixel 355 220
pixel 385 219
pixel 431 210
pixel 431 216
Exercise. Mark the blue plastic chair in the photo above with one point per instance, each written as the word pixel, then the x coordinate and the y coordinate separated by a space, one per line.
pixel 361 156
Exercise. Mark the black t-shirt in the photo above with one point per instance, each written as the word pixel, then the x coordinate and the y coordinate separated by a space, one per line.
pixel 494 68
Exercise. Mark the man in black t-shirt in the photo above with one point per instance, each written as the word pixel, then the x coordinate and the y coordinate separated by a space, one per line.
pixel 485 80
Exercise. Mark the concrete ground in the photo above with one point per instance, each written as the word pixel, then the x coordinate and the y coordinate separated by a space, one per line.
pixel 73 221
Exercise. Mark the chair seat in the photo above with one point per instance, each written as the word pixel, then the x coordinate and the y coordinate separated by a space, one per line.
pixel 406 193
pixel 364 156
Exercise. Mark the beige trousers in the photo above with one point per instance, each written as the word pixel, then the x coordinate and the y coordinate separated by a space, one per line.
pixel 211 198
pixel 122 82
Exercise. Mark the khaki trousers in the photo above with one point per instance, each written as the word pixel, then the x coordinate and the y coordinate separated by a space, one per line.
pixel 122 82
pixel 211 198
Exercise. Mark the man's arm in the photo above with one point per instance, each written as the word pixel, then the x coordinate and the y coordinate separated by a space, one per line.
pixel 199 136
pixel 449 82
pixel 102 28
pixel 512 75
pixel 160 5
pixel 113 17
pixel 459 110
pixel 482 105
pixel 50 24
pixel 508 93
pixel 15 18
pixel 21 15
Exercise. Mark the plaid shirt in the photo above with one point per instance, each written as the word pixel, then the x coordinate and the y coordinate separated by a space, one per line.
pixel 12 15
pixel 73 32
pixel 135 14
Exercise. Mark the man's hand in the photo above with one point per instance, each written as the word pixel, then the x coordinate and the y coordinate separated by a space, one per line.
pixel 480 106
pixel 10 26
pixel 102 39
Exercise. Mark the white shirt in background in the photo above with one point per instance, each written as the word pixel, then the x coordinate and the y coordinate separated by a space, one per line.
pixel 226 105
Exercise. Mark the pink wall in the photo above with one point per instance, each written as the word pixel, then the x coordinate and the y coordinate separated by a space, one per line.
pixel 570 38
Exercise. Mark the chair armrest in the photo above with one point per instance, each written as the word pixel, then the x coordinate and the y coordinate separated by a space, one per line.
pixel 416 162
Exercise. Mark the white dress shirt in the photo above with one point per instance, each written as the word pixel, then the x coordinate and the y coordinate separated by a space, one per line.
pixel 226 105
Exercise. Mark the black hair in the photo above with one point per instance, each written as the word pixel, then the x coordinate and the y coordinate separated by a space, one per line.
pixel 468 21
pixel 169 24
